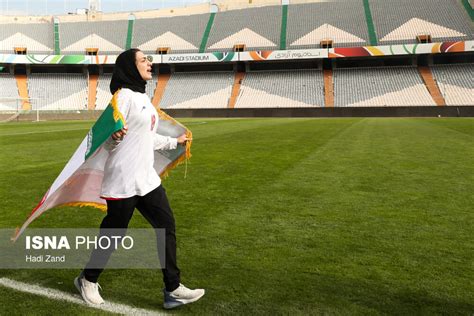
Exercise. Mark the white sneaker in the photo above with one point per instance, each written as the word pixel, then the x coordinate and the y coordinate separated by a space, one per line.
pixel 182 295
pixel 88 290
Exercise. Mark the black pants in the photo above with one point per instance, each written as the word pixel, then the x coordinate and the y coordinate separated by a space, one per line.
pixel 155 208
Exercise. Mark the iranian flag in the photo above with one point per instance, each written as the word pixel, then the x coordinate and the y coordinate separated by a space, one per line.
pixel 79 183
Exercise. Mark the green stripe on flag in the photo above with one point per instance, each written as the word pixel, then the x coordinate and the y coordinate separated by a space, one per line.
pixel 102 129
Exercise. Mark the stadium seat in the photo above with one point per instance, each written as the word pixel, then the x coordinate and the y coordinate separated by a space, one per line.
pixel 108 36
pixel 343 22
pixel 9 93
pixel 198 90
pixel 394 86
pixel 58 91
pixel 400 21
pixel 182 34
pixel 36 37
pixel 282 89
pixel 456 83
pixel 256 28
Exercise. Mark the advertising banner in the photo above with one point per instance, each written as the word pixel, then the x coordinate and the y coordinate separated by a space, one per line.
pixel 408 49
pixel 264 55
pixel 283 54
pixel 199 58
pixel 58 59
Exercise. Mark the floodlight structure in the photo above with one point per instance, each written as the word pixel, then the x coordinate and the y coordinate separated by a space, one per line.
pixel 94 6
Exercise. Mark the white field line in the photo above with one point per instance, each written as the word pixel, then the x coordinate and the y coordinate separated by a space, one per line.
pixel 75 299
pixel 194 123
pixel 52 131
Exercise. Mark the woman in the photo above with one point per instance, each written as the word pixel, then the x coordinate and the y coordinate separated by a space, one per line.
pixel 130 181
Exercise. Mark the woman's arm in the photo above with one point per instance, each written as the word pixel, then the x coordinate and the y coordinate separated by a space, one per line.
pixel 168 143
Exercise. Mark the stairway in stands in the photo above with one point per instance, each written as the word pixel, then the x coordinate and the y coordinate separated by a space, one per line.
pixel 160 88
pixel 431 85
pixel 328 88
pixel 239 77
pixel 22 84
pixel 92 92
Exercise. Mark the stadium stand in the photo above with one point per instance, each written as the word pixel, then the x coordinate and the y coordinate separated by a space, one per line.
pixel 394 86
pixel 456 83
pixel 38 38
pixel 198 90
pixel 400 21
pixel 103 91
pixel 108 36
pixel 150 86
pixel 181 34
pixel 58 91
pixel 347 22
pixel 282 89
pixel 257 28
pixel 343 22
pixel 9 93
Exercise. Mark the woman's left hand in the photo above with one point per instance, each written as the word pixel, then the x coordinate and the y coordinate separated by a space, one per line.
pixel 183 139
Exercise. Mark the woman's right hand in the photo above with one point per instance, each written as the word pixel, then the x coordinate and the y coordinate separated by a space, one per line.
pixel 118 135
pixel 183 139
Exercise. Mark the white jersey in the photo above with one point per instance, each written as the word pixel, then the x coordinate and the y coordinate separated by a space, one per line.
pixel 129 168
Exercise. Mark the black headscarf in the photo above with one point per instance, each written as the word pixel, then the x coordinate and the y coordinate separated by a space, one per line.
pixel 126 74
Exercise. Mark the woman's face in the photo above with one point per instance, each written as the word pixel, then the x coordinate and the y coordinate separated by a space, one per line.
pixel 143 65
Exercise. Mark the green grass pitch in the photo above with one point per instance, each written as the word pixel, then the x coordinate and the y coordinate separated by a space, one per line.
pixel 281 216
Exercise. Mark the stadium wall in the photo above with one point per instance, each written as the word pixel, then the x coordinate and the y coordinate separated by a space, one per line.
pixel 402 111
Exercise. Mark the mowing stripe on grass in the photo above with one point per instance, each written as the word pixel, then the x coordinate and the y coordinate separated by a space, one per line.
pixel 61 296
pixel 52 131
pixel 196 123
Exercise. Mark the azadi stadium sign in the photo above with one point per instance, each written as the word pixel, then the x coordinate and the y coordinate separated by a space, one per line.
pixel 264 55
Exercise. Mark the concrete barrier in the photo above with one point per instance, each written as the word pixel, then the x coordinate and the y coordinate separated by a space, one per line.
pixel 393 111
